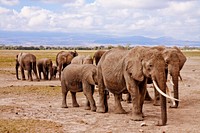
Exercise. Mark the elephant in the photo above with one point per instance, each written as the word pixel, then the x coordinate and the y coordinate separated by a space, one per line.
pixel 97 55
pixel 78 78
pixel 63 59
pixel 121 70
pixel 45 66
pixel 175 61
pixel 26 61
pixel 82 59
pixel 54 71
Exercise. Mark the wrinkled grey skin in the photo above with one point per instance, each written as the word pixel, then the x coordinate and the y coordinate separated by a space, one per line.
pixel 78 78
pixel 82 59
pixel 175 61
pixel 122 70
pixel 97 55
pixel 26 61
pixel 63 59
pixel 45 66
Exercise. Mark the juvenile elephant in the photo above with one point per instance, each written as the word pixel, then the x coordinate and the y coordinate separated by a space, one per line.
pixel 45 66
pixel 122 70
pixel 97 55
pixel 174 60
pixel 26 61
pixel 78 78
pixel 54 71
pixel 63 59
pixel 82 59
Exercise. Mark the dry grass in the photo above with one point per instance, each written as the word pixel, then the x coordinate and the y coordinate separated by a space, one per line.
pixel 7 57
pixel 29 126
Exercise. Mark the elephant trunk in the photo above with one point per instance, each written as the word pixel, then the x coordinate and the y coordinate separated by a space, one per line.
pixel 161 81
pixel 175 76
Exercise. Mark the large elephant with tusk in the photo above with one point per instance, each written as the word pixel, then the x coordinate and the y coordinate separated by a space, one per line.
pixel 121 70
pixel 175 61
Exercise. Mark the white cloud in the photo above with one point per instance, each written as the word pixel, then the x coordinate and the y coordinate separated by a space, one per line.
pixel 152 18
pixel 4 10
pixel 9 2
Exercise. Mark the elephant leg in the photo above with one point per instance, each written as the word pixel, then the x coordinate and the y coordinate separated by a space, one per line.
pixel 118 106
pixel 138 101
pixel 64 94
pixel 157 98
pixel 22 73
pixel 87 105
pixel 148 97
pixel 35 71
pixel 103 105
pixel 40 74
pixel 30 75
pixel 59 71
pixel 44 73
pixel 128 98
pixel 88 92
pixel 74 101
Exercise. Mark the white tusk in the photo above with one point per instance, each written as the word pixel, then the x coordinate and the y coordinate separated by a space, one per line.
pixel 180 77
pixel 157 88
pixel 169 92
pixel 171 80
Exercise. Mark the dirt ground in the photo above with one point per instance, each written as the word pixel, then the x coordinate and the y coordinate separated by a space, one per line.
pixel 36 107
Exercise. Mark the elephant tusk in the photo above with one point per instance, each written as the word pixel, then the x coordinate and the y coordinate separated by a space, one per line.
pixel 158 89
pixel 171 80
pixel 180 77
pixel 169 92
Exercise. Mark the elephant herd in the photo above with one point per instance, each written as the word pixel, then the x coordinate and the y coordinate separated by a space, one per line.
pixel 119 71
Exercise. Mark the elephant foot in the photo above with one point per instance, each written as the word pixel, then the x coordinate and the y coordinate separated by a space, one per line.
pixel 160 123
pixel 93 108
pixel 64 106
pixel 87 108
pixel 101 110
pixel 23 79
pixel 137 117
pixel 75 105
pixel 119 111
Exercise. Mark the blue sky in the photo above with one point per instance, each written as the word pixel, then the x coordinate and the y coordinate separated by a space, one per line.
pixel 179 19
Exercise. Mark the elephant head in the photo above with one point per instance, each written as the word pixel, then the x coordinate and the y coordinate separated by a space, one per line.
pixel 174 60
pixel 144 63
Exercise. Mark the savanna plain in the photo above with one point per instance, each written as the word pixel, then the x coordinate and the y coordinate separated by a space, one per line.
pixel 35 107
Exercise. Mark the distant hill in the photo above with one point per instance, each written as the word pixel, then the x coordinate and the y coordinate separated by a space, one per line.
pixel 84 39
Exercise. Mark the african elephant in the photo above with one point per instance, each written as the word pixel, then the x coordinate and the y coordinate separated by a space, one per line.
pixel 63 59
pixel 78 78
pixel 54 71
pixel 45 66
pixel 174 60
pixel 82 59
pixel 26 61
pixel 122 70
pixel 97 55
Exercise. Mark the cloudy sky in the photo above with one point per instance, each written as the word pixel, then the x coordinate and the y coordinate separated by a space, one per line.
pixel 179 19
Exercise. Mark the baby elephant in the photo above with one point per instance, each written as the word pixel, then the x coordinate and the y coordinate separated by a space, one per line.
pixel 45 66
pixel 78 78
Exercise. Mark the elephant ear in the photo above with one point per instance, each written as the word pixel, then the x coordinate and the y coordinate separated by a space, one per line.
pixel 134 68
